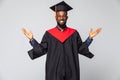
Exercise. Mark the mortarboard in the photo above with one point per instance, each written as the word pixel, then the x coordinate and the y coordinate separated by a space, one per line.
pixel 62 6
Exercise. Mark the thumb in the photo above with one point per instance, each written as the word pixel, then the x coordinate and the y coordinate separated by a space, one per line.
pixel 91 30
pixel 31 32
pixel 24 30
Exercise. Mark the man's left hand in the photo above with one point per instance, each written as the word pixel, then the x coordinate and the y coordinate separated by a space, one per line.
pixel 94 33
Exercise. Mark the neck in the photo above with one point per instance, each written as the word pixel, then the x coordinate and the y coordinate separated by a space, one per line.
pixel 61 29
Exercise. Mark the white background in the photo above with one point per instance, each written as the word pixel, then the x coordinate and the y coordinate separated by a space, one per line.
pixel 35 15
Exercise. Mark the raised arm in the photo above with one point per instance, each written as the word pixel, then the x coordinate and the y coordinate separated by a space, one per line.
pixel 83 49
pixel 38 49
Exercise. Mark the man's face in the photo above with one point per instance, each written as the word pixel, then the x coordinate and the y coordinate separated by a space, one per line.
pixel 61 18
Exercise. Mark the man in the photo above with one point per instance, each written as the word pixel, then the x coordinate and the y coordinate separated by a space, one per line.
pixel 62 45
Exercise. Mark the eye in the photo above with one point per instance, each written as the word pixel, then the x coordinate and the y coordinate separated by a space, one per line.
pixel 62 16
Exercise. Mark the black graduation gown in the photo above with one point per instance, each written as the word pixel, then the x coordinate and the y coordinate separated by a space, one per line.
pixel 62 62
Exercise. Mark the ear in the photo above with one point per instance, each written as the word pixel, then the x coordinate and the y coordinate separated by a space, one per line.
pixel 56 17
pixel 67 17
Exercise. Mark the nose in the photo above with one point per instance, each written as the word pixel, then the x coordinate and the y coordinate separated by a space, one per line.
pixel 61 18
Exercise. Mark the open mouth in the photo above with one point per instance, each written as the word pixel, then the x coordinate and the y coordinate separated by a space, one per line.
pixel 61 21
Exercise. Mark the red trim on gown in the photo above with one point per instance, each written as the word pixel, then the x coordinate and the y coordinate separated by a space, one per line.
pixel 61 35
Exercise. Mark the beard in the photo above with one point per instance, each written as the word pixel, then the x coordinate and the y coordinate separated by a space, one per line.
pixel 62 25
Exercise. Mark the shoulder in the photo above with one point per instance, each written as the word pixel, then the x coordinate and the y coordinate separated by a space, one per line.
pixel 75 32
pixel 51 29
pixel 73 29
pixel 67 28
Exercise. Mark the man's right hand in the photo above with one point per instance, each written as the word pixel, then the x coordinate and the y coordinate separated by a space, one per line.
pixel 29 34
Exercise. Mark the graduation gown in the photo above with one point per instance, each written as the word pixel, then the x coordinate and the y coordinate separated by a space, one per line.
pixel 62 49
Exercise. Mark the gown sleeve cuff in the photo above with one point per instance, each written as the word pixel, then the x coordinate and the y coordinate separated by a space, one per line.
pixel 88 41
pixel 90 55
pixel 32 42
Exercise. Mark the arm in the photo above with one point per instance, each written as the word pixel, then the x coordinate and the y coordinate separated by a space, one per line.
pixel 83 49
pixel 38 49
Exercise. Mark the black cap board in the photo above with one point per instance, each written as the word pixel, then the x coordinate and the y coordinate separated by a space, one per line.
pixel 62 6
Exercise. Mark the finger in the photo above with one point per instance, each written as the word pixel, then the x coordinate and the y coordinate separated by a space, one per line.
pixel 91 30
pixel 24 30
pixel 99 29
pixel 30 31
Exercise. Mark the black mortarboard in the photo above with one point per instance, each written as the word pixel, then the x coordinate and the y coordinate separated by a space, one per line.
pixel 62 6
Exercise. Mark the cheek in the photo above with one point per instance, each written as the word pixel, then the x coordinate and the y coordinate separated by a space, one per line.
pixel 61 18
pixel 56 18
pixel 65 18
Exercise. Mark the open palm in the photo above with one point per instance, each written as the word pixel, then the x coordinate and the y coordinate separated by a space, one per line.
pixel 29 34
pixel 94 33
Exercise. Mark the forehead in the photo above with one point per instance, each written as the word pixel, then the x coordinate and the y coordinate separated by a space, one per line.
pixel 61 13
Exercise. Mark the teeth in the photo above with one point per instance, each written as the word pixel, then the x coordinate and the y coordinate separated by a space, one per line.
pixel 61 21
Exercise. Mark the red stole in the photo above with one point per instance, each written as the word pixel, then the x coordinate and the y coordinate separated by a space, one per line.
pixel 61 36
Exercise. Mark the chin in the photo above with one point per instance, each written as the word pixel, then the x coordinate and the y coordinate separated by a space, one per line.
pixel 62 24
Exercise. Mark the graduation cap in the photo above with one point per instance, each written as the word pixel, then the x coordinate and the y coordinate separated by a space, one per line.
pixel 62 6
